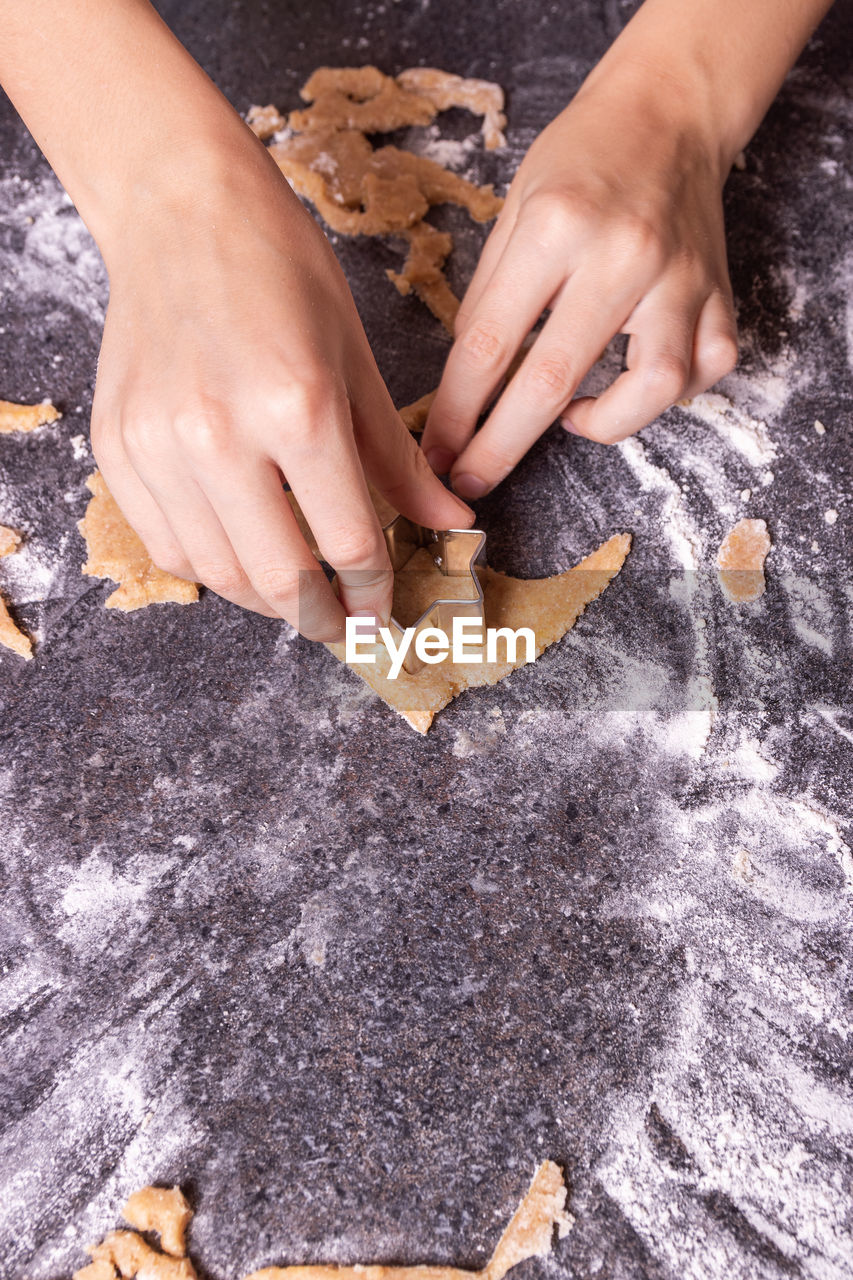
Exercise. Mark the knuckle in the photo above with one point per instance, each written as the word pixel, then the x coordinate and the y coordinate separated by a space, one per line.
pixel 226 579
pixel 203 431
pixel 666 377
pixel 552 217
pixel 551 377
pixel 639 239
pixel 355 548
pixel 277 583
pixel 141 439
pixel 484 343
pixel 301 406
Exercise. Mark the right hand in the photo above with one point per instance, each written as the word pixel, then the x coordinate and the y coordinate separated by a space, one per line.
pixel 233 356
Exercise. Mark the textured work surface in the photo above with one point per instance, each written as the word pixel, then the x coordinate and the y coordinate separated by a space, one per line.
pixel 347 985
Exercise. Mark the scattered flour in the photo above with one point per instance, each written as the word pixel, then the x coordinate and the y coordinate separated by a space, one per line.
pixel 55 257
pixel 737 427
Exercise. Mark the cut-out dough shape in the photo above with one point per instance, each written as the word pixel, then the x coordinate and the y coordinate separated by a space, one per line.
pixel 26 417
pixel 115 551
pixel 11 636
pixel 549 606
pixel 740 561
pixel 529 1234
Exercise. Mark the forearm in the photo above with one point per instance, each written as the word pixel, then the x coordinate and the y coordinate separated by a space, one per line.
pixel 126 117
pixel 721 60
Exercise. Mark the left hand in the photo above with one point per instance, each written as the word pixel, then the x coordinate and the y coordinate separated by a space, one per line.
pixel 614 223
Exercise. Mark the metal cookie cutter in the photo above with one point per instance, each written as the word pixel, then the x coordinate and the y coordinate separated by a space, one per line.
pixel 455 552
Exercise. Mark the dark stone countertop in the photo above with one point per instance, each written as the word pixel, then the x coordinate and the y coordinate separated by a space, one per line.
pixel 348 985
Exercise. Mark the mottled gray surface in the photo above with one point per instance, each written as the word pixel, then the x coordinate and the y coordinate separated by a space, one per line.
pixel 347 985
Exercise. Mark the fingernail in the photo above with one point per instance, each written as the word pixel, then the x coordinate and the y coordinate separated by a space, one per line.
pixel 570 426
pixel 441 460
pixel 468 486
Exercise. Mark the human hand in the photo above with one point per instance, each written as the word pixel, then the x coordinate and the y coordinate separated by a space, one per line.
pixel 614 222
pixel 233 355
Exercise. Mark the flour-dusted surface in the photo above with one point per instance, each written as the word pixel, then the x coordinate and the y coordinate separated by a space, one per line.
pixel 347 986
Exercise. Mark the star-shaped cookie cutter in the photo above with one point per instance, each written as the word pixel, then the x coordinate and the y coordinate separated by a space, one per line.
pixel 455 552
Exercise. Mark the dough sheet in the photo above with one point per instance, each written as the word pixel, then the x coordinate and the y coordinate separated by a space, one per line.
pixel 115 551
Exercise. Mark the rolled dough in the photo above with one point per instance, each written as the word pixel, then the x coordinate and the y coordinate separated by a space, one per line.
pixel 115 551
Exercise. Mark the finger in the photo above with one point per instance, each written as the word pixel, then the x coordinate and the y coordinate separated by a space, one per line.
pixel 660 358
pixel 714 345
pixel 580 326
pixel 205 543
pixel 522 285
pixel 270 550
pixel 490 256
pixel 323 469
pixel 394 463
pixel 140 509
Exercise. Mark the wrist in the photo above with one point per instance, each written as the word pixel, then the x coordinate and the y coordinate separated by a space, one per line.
pixel 678 104
pixel 183 187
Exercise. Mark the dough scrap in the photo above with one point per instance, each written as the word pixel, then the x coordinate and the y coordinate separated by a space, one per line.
pixel 550 606
pixel 115 551
pixel 363 98
pixel 11 636
pixel 529 1234
pixel 128 1253
pixel 9 540
pixel 414 415
pixel 164 1210
pixel 362 191
pixel 740 561
pixel 387 191
pixel 100 1270
pixel 445 90
pixel 428 249
pixel 264 121
pixel 26 417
